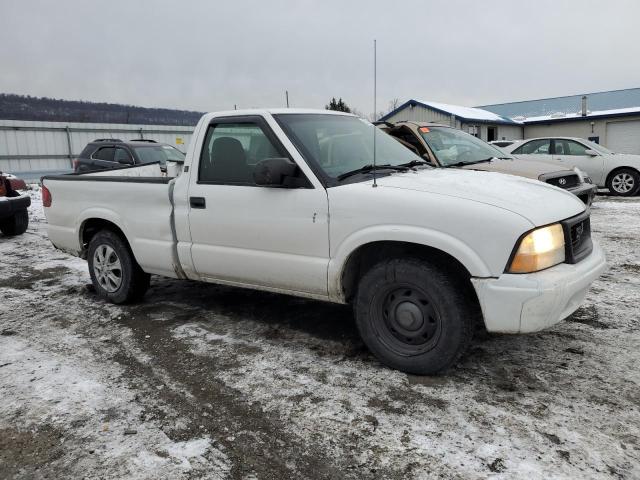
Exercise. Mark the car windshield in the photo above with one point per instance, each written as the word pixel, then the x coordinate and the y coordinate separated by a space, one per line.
pixel 452 146
pixel 597 147
pixel 339 144
pixel 159 153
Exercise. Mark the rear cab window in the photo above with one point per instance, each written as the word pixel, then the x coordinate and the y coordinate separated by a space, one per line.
pixel 158 153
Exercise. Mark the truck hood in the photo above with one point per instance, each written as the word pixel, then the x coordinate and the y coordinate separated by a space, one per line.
pixel 538 202
pixel 516 166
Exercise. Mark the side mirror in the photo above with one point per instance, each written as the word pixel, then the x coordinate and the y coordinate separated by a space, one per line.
pixel 125 161
pixel 276 172
pixel 591 153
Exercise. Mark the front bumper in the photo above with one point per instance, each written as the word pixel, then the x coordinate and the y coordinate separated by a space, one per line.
pixel 10 205
pixel 585 192
pixel 522 303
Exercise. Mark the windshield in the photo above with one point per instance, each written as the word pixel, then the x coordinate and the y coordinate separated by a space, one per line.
pixel 451 146
pixel 340 144
pixel 159 153
pixel 597 147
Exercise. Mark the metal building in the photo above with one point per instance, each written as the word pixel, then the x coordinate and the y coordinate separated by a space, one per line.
pixel 611 118
pixel 32 149
pixel 483 124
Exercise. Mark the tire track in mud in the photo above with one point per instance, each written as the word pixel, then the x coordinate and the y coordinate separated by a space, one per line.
pixel 255 441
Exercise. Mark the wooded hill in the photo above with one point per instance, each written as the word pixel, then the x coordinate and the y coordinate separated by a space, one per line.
pixel 25 107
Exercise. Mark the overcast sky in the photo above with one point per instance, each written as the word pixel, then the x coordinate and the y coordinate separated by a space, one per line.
pixel 209 55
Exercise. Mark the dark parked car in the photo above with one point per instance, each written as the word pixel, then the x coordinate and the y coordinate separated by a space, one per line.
pixel 106 153
pixel 14 218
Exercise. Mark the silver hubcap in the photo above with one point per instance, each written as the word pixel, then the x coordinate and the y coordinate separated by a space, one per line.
pixel 623 183
pixel 107 268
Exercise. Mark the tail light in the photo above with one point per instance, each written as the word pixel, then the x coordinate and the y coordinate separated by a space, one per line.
pixel 3 188
pixel 46 197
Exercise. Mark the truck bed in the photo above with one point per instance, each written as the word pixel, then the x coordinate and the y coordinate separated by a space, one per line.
pixel 135 199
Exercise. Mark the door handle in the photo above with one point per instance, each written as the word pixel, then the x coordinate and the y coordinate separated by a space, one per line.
pixel 197 202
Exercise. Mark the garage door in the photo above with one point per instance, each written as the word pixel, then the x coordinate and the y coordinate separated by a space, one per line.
pixel 624 137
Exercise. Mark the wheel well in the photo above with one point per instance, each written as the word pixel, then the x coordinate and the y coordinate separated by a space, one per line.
pixel 616 170
pixel 366 256
pixel 92 226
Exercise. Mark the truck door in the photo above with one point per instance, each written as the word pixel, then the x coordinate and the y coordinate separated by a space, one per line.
pixel 243 233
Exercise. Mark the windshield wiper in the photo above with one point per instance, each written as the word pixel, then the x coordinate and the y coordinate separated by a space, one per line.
pixel 414 163
pixel 464 164
pixel 370 167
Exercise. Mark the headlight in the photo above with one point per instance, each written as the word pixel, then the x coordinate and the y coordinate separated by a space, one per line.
pixel 539 249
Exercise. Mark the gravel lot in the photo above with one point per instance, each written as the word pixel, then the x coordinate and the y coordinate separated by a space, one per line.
pixel 201 381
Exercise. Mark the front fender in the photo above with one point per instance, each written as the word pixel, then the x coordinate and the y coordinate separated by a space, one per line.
pixel 401 233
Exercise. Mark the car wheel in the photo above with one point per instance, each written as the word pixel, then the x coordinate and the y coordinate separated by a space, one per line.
pixel 413 316
pixel 114 272
pixel 624 182
pixel 16 224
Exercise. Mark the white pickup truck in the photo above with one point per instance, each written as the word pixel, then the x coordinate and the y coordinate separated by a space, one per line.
pixel 289 201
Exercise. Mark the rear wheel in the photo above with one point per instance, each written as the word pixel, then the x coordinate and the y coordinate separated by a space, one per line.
pixel 114 272
pixel 624 182
pixel 16 224
pixel 413 316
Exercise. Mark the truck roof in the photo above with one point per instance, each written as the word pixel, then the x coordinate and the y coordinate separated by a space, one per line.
pixel 275 111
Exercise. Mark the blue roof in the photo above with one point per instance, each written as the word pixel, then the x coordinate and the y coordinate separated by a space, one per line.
pixel 611 100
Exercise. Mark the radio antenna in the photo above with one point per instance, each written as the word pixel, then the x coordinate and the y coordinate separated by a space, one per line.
pixel 375 184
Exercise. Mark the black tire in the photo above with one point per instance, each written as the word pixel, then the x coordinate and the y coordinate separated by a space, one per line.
pixel 414 317
pixel 624 182
pixel 16 224
pixel 113 252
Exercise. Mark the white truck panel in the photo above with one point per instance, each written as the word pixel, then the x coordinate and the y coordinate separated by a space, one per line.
pixel 141 210
pixel 298 241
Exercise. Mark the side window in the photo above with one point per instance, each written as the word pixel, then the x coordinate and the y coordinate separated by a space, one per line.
pixel 122 156
pixel 574 148
pixel 534 147
pixel 232 150
pixel 104 153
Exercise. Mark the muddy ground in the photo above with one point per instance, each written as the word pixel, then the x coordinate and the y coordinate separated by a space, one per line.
pixel 202 381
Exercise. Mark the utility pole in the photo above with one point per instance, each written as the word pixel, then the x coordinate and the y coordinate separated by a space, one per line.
pixel 286 93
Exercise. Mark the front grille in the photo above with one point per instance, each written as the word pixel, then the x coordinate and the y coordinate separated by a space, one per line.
pixel 577 237
pixel 566 181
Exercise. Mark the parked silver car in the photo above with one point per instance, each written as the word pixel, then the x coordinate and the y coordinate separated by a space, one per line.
pixel 619 172
pixel 445 146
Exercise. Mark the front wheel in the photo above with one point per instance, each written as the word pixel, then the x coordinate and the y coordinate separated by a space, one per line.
pixel 114 272
pixel 624 182
pixel 413 316
pixel 16 224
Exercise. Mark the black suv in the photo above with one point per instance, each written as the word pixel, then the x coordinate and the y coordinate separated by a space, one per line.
pixel 106 153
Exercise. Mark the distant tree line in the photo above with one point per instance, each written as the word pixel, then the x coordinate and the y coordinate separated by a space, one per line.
pixel 25 107
pixel 341 106
pixel 338 105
